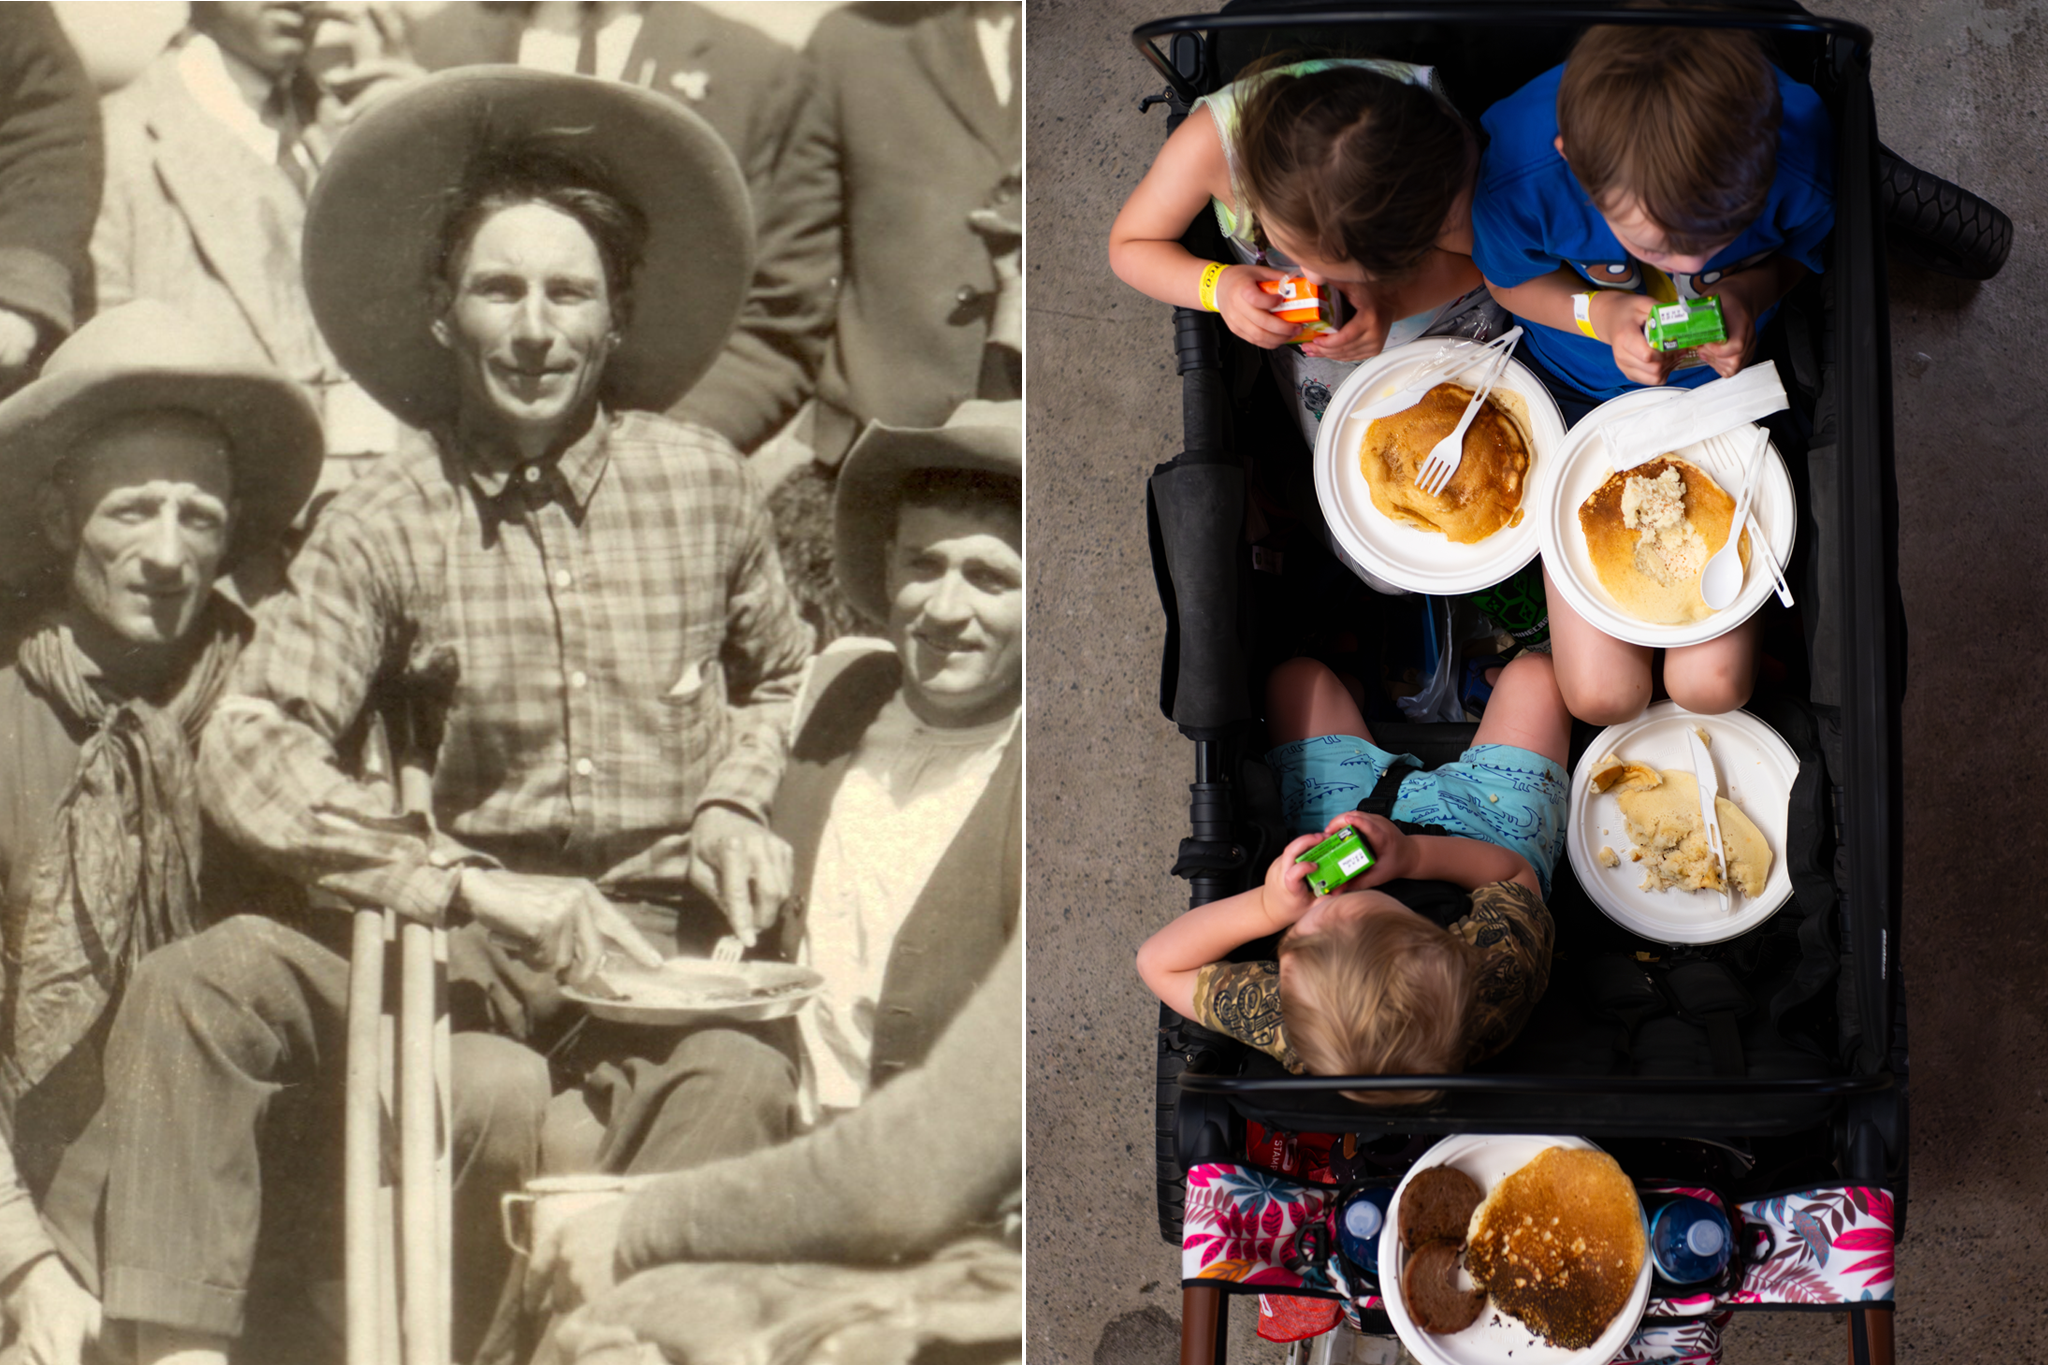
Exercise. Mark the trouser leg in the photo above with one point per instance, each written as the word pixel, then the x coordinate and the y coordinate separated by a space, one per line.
pixel 500 1093
pixel 671 1102
pixel 211 1029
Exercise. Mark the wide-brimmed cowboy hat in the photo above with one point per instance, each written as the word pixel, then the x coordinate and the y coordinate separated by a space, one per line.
pixel 978 436
pixel 378 207
pixel 146 357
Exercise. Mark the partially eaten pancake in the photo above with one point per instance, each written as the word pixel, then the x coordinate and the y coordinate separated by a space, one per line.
pixel 1650 531
pixel 1486 492
pixel 1670 838
pixel 1559 1244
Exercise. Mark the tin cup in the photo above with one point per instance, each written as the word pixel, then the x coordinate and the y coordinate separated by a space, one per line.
pixel 530 1216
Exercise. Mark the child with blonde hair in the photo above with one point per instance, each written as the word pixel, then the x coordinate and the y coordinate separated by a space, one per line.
pixel 1363 984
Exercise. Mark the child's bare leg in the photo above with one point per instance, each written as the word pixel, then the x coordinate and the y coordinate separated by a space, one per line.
pixel 1604 681
pixel 1304 699
pixel 1527 711
pixel 1708 679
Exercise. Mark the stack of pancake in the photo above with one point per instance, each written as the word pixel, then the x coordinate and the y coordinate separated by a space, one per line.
pixel 1481 498
pixel 1559 1244
pixel 1650 531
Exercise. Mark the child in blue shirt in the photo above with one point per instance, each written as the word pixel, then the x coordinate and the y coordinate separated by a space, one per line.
pixel 1655 164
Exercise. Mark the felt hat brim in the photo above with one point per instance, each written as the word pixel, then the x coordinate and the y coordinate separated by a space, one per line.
pixel 987 437
pixel 375 220
pixel 273 434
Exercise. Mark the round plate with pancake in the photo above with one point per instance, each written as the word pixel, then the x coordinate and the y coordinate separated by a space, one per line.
pixel 1489 1158
pixel 1560 485
pixel 685 990
pixel 1424 561
pixel 1756 767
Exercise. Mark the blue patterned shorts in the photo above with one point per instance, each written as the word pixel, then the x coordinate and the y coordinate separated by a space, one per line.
pixel 1329 774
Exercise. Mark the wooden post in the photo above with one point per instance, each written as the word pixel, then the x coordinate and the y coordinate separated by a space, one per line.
pixel 362 1160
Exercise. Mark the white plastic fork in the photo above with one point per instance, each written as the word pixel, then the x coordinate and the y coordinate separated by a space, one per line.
pixel 1446 455
pixel 1725 449
pixel 1433 373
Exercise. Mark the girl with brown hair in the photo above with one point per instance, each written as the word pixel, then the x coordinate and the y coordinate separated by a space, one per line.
pixel 1355 173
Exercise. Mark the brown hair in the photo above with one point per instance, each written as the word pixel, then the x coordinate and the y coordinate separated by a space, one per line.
pixel 1682 120
pixel 1382 993
pixel 1365 166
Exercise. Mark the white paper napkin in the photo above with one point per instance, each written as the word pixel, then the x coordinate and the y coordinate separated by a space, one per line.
pixel 1694 415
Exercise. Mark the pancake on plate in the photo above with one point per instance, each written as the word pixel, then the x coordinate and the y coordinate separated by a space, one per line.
pixel 1650 531
pixel 1671 840
pixel 1486 492
pixel 1559 1244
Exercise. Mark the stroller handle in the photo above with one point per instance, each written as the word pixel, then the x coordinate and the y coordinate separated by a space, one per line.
pixel 1562 16
pixel 1540 1085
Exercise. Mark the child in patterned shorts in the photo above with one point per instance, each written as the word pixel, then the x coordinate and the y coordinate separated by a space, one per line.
pixel 1363 984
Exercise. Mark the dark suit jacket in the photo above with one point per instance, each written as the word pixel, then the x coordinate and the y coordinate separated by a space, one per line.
pixel 750 88
pixel 909 123
pixel 967 911
pixel 50 164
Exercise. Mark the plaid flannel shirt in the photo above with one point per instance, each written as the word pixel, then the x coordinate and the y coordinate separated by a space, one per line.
pixel 628 653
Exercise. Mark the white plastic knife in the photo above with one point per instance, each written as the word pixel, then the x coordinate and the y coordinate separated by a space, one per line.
pixel 1710 787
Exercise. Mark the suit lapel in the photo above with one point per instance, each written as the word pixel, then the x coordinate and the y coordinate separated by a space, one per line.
pixel 950 54
pixel 244 215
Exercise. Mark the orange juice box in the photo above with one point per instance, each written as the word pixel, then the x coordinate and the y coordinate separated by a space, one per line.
pixel 1315 307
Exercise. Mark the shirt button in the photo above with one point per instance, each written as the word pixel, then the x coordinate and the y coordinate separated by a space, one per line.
pixel 563 578
pixel 579 678
pixel 532 473
pixel 583 767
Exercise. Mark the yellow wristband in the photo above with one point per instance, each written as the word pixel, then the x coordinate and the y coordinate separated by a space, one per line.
pixel 1207 293
pixel 1582 313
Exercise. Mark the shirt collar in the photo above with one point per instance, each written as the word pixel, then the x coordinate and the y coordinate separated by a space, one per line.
pixel 570 477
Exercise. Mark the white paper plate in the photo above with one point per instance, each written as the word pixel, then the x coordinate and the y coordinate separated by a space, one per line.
pixel 1424 561
pixel 1582 464
pixel 1489 1158
pixel 1757 768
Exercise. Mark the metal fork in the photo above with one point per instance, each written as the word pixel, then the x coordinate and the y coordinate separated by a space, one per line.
pixel 1728 457
pixel 727 949
pixel 1447 454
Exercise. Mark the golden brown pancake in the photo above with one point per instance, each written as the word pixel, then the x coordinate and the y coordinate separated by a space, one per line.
pixel 1559 1244
pixel 1649 548
pixel 1671 840
pixel 1486 492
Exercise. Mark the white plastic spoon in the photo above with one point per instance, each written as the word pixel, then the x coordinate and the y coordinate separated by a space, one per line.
pixel 1721 580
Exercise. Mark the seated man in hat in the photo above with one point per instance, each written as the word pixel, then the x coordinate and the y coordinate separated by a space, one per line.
pixel 625 652
pixel 142 461
pixel 902 803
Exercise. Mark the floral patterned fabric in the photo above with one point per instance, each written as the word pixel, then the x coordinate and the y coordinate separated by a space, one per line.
pixel 1828 1245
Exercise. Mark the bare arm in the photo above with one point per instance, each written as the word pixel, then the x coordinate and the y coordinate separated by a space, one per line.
pixel 1470 863
pixel 1745 296
pixel 1144 242
pixel 1617 318
pixel 1170 959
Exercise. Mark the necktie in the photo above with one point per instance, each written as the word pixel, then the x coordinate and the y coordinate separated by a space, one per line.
pixel 284 118
pixel 586 40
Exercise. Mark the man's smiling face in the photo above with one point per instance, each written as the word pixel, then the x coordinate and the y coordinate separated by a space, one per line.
pixel 530 321
pixel 956 611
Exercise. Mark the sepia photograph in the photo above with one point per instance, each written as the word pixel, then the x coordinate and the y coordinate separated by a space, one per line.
pixel 1536 611
pixel 511 737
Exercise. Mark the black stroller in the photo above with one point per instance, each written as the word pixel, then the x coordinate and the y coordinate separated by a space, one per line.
pixel 1770 1070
